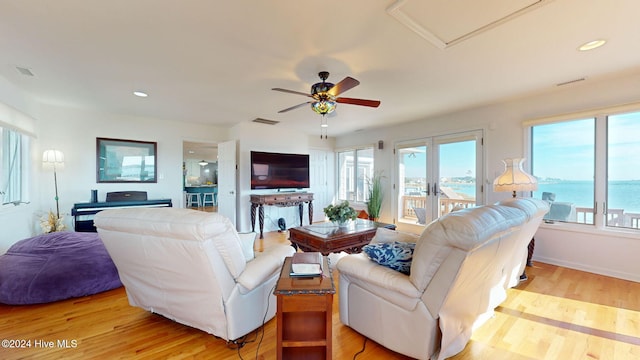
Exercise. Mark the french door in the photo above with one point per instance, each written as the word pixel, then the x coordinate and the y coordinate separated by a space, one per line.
pixel 437 175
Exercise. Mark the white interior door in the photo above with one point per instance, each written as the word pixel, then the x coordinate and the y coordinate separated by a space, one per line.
pixel 321 173
pixel 227 168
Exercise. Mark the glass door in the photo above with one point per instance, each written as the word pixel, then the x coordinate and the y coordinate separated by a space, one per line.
pixel 412 185
pixel 438 175
pixel 458 165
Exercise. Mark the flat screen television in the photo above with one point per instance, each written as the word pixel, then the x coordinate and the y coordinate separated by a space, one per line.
pixel 279 170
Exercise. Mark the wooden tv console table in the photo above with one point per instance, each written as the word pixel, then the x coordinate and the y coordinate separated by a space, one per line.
pixel 279 199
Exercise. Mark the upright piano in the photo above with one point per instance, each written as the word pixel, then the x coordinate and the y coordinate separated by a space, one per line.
pixel 83 212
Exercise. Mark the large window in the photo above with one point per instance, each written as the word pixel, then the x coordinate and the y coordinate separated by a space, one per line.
pixel 563 161
pixel 14 149
pixel 588 171
pixel 355 168
pixel 623 170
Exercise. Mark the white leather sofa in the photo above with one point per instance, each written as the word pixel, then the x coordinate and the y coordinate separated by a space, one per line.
pixel 462 265
pixel 193 267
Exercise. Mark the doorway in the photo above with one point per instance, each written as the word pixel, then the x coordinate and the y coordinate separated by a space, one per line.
pixel 200 175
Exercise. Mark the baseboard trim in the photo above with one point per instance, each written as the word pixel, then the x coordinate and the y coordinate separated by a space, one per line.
pixel 591 269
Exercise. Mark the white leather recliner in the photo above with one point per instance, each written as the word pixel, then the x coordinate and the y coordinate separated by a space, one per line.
pixel 462 265
pixel 193 267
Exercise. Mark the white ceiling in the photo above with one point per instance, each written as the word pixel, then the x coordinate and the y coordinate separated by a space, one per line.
pixel 216 62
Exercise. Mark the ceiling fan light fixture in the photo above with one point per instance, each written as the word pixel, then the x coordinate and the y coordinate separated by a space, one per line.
pixel 326 95
pixel 203 163
pixel 323 107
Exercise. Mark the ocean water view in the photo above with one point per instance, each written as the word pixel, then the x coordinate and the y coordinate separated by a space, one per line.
pixel 621 194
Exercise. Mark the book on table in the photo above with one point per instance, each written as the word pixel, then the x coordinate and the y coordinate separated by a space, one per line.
pixel 306 264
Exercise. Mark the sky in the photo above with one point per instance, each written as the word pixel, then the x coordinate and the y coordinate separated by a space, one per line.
pixel 456 160
pixel 566 150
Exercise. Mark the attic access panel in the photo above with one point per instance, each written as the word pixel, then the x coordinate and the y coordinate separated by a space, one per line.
pixel 447 22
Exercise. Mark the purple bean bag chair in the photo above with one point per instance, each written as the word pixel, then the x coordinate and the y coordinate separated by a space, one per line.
pixel 54 267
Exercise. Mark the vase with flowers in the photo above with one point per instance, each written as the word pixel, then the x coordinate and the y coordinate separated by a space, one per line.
pixel 51 223
pixel 341 213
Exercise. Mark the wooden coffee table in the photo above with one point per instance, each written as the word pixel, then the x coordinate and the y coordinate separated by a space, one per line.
pixel 328 237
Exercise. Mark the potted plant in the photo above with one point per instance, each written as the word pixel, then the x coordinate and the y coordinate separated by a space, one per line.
pixel 375 196
pixel 340 213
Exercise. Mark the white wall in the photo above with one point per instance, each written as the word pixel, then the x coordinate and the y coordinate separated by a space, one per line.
pixel 17 222
pixel 605 252
pixel 74 132
pixel 271 138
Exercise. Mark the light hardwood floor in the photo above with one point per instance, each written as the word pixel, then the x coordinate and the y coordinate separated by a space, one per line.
pixel 557 314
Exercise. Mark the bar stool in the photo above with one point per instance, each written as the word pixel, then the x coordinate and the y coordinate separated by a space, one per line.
pixel 208 198
pixel 193 199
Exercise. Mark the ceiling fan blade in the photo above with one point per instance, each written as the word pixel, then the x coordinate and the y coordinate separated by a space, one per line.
pixel 363 102
pixel 294 107
pixel 292 92
pixel 344 85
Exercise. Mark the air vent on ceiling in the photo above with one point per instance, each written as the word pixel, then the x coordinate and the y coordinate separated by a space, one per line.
pixel 24 71
pixel 571 82
pixel 265 121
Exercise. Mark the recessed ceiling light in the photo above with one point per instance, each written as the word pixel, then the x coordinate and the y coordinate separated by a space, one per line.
pixel 140 93
pixel 24 71
pixel 592 45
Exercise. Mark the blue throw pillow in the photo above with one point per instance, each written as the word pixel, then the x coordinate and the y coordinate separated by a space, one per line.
pixel 395 255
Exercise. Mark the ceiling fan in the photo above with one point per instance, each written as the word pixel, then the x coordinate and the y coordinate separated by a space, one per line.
pixel 325 95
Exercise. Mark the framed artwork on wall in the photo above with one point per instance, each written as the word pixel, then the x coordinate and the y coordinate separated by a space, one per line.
pixel 125 161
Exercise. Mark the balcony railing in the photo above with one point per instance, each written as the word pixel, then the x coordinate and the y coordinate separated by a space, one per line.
pixel 409 202
pixel 615 217
pixel 584 215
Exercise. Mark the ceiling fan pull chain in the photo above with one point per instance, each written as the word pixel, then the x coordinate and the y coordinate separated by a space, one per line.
pixel 323 127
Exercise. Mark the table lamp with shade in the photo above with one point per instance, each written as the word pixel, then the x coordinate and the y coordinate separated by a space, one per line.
pixel 514 178
pixel 54 159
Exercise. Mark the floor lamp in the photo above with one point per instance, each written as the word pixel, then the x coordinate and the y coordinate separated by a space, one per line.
pixel 55 159
pixel 515 179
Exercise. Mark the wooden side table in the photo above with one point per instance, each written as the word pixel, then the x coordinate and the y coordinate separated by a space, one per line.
pixel 304 315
